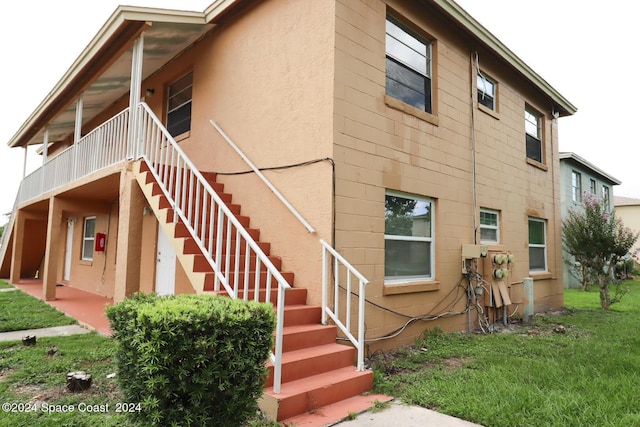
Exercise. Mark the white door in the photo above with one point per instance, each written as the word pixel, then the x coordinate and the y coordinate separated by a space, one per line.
pixel 67 251
pixel 165 265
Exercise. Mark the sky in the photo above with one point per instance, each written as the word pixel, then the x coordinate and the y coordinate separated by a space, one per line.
pixel 585 49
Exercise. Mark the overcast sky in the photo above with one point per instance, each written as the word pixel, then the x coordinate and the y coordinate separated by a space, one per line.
pixel 582 48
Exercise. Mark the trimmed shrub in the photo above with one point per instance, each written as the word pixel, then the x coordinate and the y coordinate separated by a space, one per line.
pixel 192 360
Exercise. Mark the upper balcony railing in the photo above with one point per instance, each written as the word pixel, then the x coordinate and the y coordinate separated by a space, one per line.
pixel 104 146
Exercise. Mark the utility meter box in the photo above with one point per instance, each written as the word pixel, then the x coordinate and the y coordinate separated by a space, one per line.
pixel 474 251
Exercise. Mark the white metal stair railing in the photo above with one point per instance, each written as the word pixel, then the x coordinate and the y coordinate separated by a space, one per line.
pixel 343 271
pixel 341 268
pixel 216 230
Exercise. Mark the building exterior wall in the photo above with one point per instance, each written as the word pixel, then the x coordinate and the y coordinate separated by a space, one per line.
pixel 380 145
pixel 567 167
pixel 303 81
pixel 630 217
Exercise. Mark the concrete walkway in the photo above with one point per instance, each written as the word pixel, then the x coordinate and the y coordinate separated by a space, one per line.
pixel 398 414
pixel 56 331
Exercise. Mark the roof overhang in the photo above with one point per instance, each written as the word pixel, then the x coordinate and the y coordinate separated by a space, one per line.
pixel 590 166
pixel 102 72
pixel 484 36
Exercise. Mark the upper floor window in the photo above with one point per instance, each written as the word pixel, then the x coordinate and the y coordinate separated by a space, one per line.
pixel 486 91
pixel 489 226
pixel 408 233
pixel 179 105
pixel 88 238
pixel 533 131
pixel 576 187
pixel 605 196
pixel 408 66
pixel 537 245
pixel 593 186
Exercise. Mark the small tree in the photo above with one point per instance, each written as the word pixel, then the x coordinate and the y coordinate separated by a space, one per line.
pixel 597 240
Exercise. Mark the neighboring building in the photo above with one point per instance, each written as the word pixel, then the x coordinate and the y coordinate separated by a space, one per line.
pixel 577 177
pixel 628 210
pixel 401 130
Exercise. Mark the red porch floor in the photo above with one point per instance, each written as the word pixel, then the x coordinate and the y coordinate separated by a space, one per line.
pixel 87 308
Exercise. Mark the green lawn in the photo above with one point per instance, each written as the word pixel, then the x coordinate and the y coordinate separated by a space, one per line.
pixel 533 376
pixel 34 378
pixel 21 311
pixel 4 285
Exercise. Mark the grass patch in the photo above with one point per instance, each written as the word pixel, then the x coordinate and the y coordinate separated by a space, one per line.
pixel 5 285
pixel 581 367
pixel 36 375
pixel 21 311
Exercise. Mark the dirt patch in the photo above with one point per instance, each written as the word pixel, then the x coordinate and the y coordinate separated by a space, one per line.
pixel 456 362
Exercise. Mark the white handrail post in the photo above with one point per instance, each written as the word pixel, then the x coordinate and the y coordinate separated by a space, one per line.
pixel 277 366
pixel 324 285
pixel 361 317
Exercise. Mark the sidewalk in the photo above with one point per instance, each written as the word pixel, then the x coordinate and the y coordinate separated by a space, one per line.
pixel 56 331
pixel 398 414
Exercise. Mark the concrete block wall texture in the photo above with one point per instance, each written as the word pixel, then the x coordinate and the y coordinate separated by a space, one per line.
pixel 380 145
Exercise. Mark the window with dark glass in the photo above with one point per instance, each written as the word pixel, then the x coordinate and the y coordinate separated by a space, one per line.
pixel 179 105
pixel 593 186
pixel 537 245
pixel 408 66
pixel 486 91
pixel 533 134
pixel 408 233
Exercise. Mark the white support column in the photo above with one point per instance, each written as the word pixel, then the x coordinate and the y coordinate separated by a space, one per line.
pixel 77 134
pixel 45 145
pixel 134 95
pixel 24 163
pixel 45 153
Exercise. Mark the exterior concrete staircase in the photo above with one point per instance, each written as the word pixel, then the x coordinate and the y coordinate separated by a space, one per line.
pixel 316 371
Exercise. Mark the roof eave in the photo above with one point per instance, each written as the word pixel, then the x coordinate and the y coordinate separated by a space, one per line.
pixel 126 23
pixel 589 165
pixel 478 31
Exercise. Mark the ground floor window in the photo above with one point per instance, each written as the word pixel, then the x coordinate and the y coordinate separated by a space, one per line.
pixel 489 226
pixel 537 245
pixel 409 246
pixel 88 238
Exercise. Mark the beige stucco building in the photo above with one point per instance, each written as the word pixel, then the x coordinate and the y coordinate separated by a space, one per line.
pixel 397 131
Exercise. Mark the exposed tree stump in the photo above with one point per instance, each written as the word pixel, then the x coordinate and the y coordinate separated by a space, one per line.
pixel 29 340
pixel 78 381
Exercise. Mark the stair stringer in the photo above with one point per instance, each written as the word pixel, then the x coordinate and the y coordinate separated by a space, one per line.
pixel 197 279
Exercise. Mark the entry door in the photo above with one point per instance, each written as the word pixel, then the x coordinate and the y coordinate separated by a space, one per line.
pixel 165 265
pixel 67 251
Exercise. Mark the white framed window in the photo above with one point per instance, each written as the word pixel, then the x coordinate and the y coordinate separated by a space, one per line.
pixel 88 238
pixel 409 253
pixel 179 96
pixel 576 187
pixel 486 91
pixel 537 245
pixel 606 197
pixel 592 188
pixel 533 134
pixel 408 66
pixel 489 226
